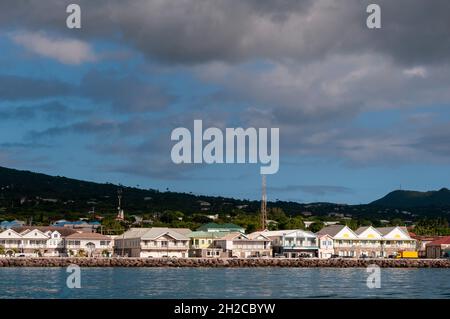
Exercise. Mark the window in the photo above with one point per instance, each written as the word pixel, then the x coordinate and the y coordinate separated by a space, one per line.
pixel 164 243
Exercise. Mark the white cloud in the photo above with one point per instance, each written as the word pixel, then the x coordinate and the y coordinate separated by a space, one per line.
pixel 416 71
pixel 66 51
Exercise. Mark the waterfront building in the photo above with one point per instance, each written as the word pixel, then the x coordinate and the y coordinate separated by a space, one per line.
pixel 201 244
pixel 326 247
pixel 395 240
pixel 55 244
pixel 369 241
pixel 422 241
pixel 439 248
pixel 10 241
pixel 153 242
pixel 291 243
pixel 50 241
pixel 344 239
pixel 240 245
pixel 89 244
pixel 214 227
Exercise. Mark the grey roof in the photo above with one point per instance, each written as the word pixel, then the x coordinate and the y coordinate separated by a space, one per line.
pixel 331 230
pixel 64 231
pixel 386 230
pixel 360 230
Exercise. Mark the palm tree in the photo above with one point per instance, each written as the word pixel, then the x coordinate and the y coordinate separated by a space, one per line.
pixel 81 253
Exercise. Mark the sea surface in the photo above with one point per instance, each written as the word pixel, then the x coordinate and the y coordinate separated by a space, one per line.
pixel 195 283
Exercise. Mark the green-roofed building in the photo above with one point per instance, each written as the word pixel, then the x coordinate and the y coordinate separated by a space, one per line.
pixel 201 244
pixel 214 227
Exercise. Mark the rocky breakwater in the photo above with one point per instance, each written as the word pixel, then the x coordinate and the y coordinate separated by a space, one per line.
pixel 216 263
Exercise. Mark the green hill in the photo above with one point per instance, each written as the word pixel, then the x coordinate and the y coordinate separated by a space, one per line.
pixel 408 199
pixel 24 191
pixel 25 194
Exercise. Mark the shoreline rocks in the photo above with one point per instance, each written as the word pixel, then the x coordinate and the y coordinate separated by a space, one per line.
pixel 223 263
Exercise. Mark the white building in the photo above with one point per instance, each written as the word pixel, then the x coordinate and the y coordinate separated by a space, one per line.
pixel 367 241
pixel 36 241
pixel 243 246
pixel 326 246
pixel 153 242
pixel 292 243
pixel 89 244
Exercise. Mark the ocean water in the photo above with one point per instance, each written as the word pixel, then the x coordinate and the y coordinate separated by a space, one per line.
pixel 195 283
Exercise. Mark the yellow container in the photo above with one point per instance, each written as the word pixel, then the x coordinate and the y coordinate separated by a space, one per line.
pixel 408 254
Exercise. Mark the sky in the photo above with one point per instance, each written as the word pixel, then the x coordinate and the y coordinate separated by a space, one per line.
pixel 361 111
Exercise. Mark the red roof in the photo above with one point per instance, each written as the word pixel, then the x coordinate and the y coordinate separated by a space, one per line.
pixel 441 241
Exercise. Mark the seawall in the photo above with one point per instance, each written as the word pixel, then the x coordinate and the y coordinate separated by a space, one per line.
pixel 232 263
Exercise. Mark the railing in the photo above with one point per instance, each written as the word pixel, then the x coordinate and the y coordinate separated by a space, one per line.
pixel 164 247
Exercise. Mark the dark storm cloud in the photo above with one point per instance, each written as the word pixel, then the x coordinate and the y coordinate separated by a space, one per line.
pixel 435 140
pixel 196 31
pixel 53 110
pixel 14 88
pixel 126 94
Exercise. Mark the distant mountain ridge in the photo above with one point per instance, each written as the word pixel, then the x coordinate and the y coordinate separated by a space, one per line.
pixel 408 199
pixel 25 193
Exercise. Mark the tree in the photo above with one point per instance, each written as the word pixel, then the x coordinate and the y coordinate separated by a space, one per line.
pixel 276 213
pixel 201 219
pixel 81 253
pixel 170 216
pixel 315 227
pixel 397 222
pixel 2 250
pixel 295 223
pixel 252 227
pixel 351 223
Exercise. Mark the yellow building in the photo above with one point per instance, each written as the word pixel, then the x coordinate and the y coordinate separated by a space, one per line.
pixel 204 239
